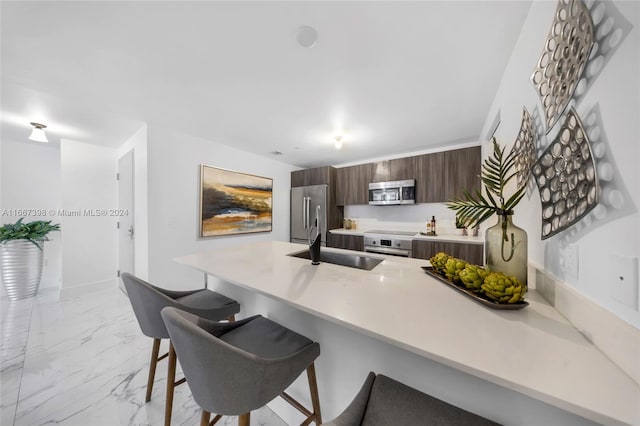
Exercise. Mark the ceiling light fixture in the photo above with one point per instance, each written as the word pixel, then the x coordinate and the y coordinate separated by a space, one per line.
pixel 338 143
pixel 38 133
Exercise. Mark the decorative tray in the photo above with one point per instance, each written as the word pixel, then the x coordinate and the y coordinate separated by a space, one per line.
pixel 480 298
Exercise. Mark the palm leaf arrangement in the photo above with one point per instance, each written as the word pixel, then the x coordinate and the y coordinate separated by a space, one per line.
pixel 497 172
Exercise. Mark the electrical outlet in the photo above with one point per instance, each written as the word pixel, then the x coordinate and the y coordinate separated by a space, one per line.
pixel 569 260
pixel 624 277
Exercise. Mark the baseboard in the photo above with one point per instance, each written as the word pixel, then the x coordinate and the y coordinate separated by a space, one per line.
pixel 82 289
pixel 616 338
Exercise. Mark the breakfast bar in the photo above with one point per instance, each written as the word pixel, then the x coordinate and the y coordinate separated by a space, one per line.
pixel 534 351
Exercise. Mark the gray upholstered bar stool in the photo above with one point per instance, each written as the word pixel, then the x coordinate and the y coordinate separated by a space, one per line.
pixel 234 368
pixel 384 402
pixel 148 300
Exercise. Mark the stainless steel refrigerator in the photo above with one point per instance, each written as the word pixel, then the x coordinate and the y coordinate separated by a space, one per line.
pixel 304 202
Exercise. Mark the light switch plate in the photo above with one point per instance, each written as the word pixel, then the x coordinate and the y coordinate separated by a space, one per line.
pixel 624 279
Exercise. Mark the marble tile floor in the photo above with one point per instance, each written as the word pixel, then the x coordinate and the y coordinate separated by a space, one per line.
pixel 82 361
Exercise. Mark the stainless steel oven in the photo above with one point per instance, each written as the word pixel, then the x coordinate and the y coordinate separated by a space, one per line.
pixel 396 243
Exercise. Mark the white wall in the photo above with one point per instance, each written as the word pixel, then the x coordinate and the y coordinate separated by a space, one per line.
pixel 88 186
pixel 174 161
pixel 615 92
pixel 138 143
pixel 31 180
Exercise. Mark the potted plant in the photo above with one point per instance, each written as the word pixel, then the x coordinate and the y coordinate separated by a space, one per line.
pixel 505 244
pixel 461 229
pixel 22 256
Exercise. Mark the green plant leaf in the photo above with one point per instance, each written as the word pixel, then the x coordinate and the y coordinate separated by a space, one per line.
pixel 497 172
pixel 515 198
pixel 35 231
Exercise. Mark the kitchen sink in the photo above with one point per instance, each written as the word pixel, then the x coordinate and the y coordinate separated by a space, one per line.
pixel 358 261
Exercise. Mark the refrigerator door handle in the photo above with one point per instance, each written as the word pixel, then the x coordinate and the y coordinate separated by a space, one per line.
pixel 304 212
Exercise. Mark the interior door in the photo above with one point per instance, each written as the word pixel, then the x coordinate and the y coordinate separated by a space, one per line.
pixel 126 231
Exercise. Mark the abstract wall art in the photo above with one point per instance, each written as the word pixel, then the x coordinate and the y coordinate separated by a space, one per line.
pixel 233 202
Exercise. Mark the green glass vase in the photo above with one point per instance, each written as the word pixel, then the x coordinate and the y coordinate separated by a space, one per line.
pixel 505 248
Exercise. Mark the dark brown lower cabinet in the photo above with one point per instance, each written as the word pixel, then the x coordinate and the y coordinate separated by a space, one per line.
pixel 472 253
pixel 349 242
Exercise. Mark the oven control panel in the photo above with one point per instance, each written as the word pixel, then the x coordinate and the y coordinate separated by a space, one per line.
pixel 387 242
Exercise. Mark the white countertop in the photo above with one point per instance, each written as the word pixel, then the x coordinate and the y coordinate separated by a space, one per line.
pixel 534 351
pixel 418 236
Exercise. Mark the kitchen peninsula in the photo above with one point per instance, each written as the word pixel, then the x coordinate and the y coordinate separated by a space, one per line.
pixel 533 351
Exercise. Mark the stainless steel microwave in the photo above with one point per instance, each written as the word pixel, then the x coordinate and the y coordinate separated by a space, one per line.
pixel 396 192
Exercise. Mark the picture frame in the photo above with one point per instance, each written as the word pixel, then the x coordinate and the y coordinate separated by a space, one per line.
pixel 233 203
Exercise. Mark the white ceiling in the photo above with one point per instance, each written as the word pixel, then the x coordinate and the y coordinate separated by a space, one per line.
pixel 392 77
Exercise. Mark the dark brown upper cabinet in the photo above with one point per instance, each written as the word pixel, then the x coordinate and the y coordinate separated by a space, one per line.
pixel 391 170
pixel 440 176
pixel 430 178
pixel 403 168
pixel 462 171
pixel 316 176
pixel 380 171
pixel 352 184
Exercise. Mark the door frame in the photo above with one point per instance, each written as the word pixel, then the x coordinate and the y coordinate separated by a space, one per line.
pixel 131 212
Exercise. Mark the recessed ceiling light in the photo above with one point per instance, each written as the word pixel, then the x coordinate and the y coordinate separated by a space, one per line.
pixel 306 36
pixel 338 143
pixel 276 153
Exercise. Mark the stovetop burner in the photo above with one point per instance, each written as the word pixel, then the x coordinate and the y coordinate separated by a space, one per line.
pixel 403 233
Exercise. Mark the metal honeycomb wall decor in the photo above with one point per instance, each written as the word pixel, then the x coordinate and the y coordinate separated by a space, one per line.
pixel 615 199
pixel 526 149
pixel 563 58
pixel 610 28
pixel 566 177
